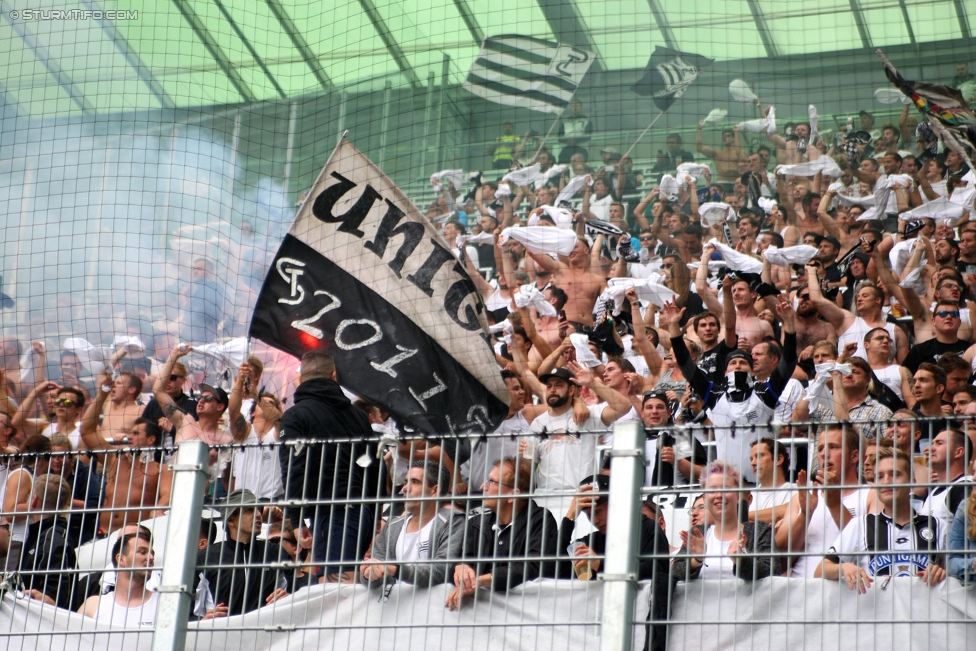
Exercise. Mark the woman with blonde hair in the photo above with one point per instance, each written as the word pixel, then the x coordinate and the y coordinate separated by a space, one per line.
pixel 962 541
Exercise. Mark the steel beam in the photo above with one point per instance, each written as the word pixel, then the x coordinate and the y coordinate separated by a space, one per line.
pixel 760 19
pixel 567 26
pixel 300 44
pixel 392 46
pixel 209 42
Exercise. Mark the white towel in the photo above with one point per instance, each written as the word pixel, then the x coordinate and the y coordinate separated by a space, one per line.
pixel 737 261
pixel 455 177
pixel 914 281
pixel 560 216
pixel 814 122
pixel 480 238
pixel 891 96
pixel 713 265
pixel 771 120
pixel 669 187
pixel 694 170
pixel 799 254
pixel 767 205
pixel 575 185
pixel 715 115
pixel 583 353
pixel 942 209
pixel 553 171
pixel 965 197
pixel 128 342
pixel 541 239
pixel 713 212
pixel 503 190
pixel 524 176
pixel 647 290
pixel 824 164
pixel 817 394
pixel 530 296
pixel 740 91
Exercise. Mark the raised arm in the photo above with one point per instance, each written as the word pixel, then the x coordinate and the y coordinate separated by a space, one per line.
pixel 239 427
pixel 647 351
pixel 701 281
pixel 92 438
pixel 729 314
pixel 22 418
pixel 708 151
pixel 671 315
pixel 642 206
pixel 836 316
pixel 617 403
pixel 170 409
pixel 829 223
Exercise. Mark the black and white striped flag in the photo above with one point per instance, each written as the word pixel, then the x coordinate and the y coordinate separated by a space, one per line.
pixel 668 75
pixel 528 72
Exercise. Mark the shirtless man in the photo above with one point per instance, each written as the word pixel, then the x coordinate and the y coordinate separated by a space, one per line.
pixel 131 479
pixel 852 328
pixel 810 328
pixel 573 277
pixel 727 158
pixel 122 410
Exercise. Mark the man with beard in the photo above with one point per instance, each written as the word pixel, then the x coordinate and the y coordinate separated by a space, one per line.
pixel 568 453
pixel 738 405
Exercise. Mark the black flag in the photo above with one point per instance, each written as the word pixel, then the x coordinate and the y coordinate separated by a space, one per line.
pixel 364 276
pixel 668 75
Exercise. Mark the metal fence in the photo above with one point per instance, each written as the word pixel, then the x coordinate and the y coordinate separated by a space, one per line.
pixel 361 544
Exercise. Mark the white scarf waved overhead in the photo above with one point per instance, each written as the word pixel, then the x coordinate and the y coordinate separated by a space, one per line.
pixel 737 261
pixel 799 254
pixel 529 296
pixel 541 239
pixel 824 164
pixel 454 177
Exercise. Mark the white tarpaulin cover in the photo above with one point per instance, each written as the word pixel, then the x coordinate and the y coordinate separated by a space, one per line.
pixel 731 615
pixel 540 615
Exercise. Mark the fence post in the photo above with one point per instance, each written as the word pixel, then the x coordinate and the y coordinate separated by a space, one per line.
pixel 182 534
pixel 623 518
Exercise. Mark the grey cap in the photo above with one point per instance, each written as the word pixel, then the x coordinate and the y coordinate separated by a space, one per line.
pixel 239 499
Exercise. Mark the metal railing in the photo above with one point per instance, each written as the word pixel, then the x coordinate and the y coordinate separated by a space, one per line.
pixel 344 585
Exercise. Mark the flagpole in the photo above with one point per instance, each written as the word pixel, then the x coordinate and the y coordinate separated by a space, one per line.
pixel 643 133
pixel 548 133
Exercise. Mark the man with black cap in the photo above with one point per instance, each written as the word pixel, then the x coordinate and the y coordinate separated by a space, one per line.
pixel 653 553
pixel 828 248
pixel 739 407
pixel 234 576
pixel 567 452
pixel 663 466
pixel 210 407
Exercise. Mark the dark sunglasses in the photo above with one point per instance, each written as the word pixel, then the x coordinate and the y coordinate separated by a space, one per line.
pixel 804 297
pixel 174 377
pixel 65 402
pixel 667 265
pixel 948 313
pixel 646 239
pixel 207 398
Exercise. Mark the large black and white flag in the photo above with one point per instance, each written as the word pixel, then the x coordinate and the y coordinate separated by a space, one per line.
pixel 668 75
pixel 528 72
pixel 364 276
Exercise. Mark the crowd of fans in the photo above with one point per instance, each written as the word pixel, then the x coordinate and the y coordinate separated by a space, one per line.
pixel 823 283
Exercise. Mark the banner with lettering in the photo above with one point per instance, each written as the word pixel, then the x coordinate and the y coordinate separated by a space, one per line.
pixel 365 277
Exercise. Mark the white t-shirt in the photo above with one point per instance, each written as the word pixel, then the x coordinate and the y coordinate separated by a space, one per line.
pixel 718 564
pixel 763 499
pixel 414 546
pixel 568 454
pixel 791 395
pixel 601 207
pixel 257 468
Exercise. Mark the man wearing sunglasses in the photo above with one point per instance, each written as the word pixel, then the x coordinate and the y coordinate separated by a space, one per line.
pixel 68 403
pixel 173 387
pixel 945 325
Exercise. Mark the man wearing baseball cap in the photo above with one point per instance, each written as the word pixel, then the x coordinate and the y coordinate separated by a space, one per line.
pixel 569 452
pixel 234 575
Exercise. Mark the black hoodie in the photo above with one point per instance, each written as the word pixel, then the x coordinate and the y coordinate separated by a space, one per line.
pixel 325 470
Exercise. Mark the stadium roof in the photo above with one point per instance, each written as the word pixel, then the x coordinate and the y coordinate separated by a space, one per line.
pixel 198 53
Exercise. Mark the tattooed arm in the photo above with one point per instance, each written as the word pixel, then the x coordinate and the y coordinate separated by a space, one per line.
pixel 239 426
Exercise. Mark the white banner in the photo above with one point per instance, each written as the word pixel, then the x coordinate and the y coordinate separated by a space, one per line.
pixel 542 615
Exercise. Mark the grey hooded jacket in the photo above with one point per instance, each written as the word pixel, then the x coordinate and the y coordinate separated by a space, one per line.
pixel 446 540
